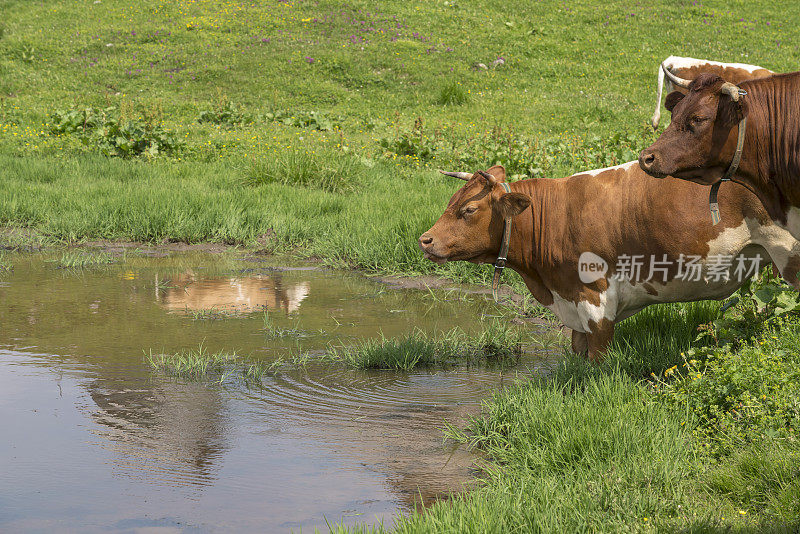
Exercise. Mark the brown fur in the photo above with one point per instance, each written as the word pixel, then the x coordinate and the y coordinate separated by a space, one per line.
pixel 770 164
pixel 727 73
pixel 618 211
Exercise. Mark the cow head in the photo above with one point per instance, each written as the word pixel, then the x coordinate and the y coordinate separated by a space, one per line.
pixel 699 143
pixel 471 228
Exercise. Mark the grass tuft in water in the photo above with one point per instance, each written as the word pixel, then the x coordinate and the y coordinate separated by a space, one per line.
pixel 78 259
pixel 5 263
pixel 497 344
pixel 210 314
pixel 274 331
pixel 202 365
pixel 23 239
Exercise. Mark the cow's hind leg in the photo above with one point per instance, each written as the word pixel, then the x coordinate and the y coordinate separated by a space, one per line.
pixel 580 343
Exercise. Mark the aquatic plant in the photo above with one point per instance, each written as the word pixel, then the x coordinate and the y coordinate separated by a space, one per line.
pixel 210 314
pixel 274 331
pixel 5 263
pixel 498 343
pixel 79 259
pixel 218 367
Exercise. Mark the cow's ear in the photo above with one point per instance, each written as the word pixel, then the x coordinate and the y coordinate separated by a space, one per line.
pixel 729 112
pixel 498 171
pixel 672 100
pixel 512 204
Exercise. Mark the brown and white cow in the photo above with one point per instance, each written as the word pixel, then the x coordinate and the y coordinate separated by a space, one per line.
pixel 701 142
pixel 689 68
pixel 564 230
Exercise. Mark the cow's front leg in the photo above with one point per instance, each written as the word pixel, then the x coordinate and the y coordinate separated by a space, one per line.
pixel 598 339
pixel 580 343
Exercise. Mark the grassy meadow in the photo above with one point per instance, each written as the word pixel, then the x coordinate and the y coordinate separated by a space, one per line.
pixel 317 127
pixel 304 123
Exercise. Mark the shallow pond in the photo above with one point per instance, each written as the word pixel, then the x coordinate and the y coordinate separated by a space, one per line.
pixel 94 440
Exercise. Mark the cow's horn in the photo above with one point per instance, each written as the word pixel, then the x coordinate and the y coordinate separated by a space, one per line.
pixel 732 91
pixel 490 178
pixel 460 175
pixel 680 82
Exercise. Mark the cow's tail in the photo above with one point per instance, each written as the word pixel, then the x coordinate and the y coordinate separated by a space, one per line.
pixel 659 89
pixel 668 63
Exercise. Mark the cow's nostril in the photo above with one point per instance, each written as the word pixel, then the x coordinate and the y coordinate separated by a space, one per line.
pixel 648 160
pixel 426 240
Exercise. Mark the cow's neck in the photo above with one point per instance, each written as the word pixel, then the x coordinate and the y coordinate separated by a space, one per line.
pixel 532 247
pixel 770 164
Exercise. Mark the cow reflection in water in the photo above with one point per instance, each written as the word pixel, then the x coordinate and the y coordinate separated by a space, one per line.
pixel 239 294
pixel 174 431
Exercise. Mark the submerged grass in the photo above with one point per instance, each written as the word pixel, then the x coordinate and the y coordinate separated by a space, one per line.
pixel 78 259
pixel 273 330
pixel 5 262
pixel 210 314
pixel 202 365
pixel 497 344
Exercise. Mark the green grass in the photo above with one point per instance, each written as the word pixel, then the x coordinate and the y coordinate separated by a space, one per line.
pixel 327 170
pixel 603 457
pixel 496 344
pixel 203 365
pixel 396 83
pixel 452 94
pixel 595 448
pixel 322 126
pixel 78 259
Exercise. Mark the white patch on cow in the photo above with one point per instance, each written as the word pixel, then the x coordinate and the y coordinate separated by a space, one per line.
pixel 567 311
pixel 595 172
pixel 732 240
pixel 577 315
pixel 677 62
pixel 623 298
pixel 793 222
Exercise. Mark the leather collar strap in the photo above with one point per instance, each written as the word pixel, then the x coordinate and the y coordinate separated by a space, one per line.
pixel 734 166
pixel 502 257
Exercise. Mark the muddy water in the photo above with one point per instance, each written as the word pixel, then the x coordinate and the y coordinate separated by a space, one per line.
pixel 93 440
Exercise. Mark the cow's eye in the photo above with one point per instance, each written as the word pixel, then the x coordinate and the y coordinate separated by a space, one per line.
pixel 695 121
pixel 469 209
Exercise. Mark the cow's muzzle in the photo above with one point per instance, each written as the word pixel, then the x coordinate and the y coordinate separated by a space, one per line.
pixel 427 244
pixel 650 163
